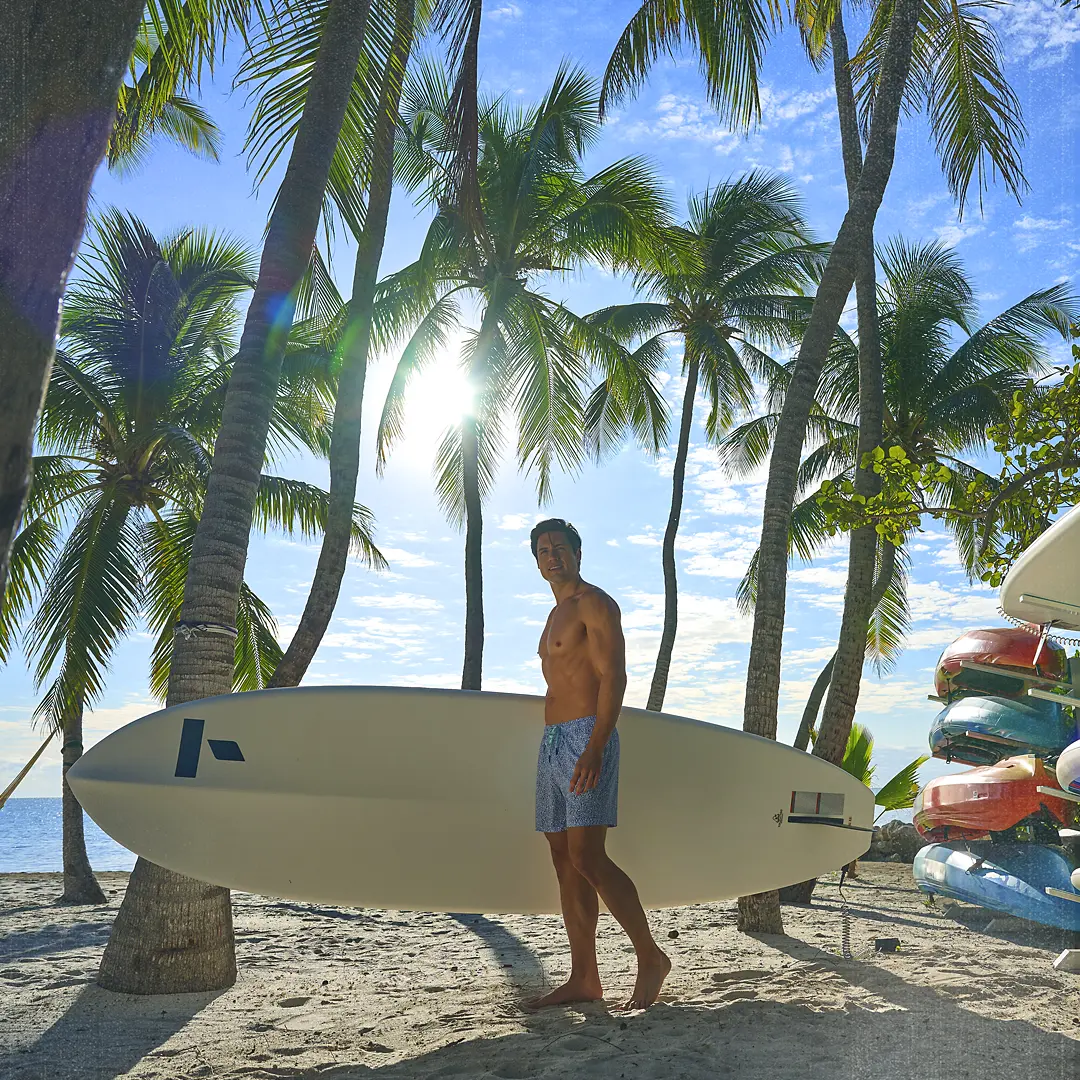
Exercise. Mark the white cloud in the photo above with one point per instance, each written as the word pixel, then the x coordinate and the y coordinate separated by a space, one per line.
pixel 782 105
pixel 505 12
pixel 967 605
pixel 820 575
pixel 953 232
pixel 517 522
pixel 408 601
pixel 1030 231
pixel 536 598
pixel 681 117
pixel 1041 30
pixel 401 557
pixel 798 657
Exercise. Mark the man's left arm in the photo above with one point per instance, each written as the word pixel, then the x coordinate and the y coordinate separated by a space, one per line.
pixel 607 651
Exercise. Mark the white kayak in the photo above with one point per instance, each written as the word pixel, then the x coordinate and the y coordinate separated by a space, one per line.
pixel 424 799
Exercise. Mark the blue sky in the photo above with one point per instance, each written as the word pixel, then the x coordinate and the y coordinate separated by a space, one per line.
pixel 405 626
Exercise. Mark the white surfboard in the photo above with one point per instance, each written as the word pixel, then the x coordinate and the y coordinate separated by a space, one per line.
pixel 424 800
pixel 1043 585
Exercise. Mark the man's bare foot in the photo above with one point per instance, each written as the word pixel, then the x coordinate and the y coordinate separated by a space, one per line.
pixel 572 991
pixel 650 978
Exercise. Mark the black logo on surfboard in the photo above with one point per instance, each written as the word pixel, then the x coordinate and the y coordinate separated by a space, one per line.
pixel 191 740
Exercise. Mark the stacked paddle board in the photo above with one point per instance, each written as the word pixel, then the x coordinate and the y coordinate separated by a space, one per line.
pixel 990 799
pixel 1008 711
pixel 424 799
pixel 983 678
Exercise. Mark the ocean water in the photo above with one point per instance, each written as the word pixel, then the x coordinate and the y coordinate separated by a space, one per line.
pixel 30 839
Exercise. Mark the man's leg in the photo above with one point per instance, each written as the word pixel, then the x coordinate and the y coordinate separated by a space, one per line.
pixel 580 910
pixel 589 857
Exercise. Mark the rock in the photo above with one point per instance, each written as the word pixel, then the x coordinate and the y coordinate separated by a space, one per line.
pixel 895 841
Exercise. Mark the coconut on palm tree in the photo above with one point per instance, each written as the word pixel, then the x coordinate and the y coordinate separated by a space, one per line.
pixel 126 437
pixel 742 295
pixel 527 359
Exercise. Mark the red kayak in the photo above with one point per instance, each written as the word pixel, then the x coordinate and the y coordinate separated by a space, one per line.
pixel 993 798
pixel 1010 649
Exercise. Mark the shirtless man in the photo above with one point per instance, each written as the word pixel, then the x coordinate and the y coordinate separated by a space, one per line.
pixel 583 657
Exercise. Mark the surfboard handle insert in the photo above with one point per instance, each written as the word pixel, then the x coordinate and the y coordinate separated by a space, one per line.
pixel 1074 897
pixel 1046 602
pixel 1054 793
pixel 809 819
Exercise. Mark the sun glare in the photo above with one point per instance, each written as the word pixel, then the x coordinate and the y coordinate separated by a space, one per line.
pixel 436 399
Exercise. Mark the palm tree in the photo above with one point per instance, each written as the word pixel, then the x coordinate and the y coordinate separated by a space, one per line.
pixel 956 70
pixel 354 350
pixel 541 215
pixel 173 934
pixel 939 400
pixel 754 254
pixel 127 429
pixel 974 114
pixel 60 61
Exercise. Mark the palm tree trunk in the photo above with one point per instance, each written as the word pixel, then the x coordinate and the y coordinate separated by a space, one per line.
pixel 345 437
pixel 61 65
pixel 80 885
pixel 471 434
pixel 472 669
pixel 813 705
pixel 802 892
pixel 671 589
pixel 460 22
pixel 762 912
pixel 174 934
pixel 862 552
pixel 821 684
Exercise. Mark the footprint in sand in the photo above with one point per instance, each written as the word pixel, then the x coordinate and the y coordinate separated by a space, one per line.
pixel 292 1002
pixel 739 976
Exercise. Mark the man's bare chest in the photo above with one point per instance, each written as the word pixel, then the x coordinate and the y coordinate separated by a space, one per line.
pixel 564 634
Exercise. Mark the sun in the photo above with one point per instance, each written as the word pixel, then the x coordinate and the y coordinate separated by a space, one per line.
pixel 437 398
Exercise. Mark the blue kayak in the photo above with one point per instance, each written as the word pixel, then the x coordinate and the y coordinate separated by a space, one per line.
pixel 984 730
pixel 1010 878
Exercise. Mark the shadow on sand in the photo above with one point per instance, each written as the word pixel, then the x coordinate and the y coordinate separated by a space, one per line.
pixel 521 967
pixel 53 938
pixel 103 1035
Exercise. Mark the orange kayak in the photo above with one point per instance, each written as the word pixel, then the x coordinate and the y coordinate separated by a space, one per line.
pixel 1011 649
pixel 992 798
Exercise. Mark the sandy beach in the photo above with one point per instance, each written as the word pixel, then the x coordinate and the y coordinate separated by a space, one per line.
pixel 347 993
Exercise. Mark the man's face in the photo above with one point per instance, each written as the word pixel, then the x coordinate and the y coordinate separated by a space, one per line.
pixel 556 557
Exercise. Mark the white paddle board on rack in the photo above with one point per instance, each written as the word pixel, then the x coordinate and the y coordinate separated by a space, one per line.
pixel 1043 585
pixel 424 799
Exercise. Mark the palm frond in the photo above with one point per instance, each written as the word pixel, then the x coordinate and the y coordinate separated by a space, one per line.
pixel 857 754
pixel 728 39
pixel 90 600
pixel 33 552
pixel 901 790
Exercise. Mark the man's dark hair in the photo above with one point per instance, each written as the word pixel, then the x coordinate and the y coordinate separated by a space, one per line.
pixel 550 525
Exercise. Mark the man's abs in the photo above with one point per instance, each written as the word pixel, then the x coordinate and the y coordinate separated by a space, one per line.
pixel 573 688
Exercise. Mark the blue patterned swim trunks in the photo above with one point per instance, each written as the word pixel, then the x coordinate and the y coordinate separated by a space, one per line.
pixel 557 809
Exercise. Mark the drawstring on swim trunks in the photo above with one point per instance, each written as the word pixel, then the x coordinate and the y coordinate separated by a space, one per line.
pixel 552 738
